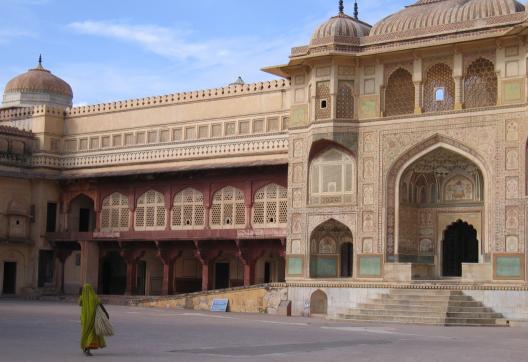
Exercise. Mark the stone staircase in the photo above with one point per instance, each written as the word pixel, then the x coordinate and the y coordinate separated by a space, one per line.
pixel 426 306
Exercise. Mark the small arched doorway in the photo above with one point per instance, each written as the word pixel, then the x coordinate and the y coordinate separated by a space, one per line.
pixel 113 274
pixel 331 251
pixel 318 303
pixel 82 214
pixel 460 245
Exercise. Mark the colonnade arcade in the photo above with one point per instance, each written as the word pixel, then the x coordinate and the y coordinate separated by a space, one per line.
pixel 174 234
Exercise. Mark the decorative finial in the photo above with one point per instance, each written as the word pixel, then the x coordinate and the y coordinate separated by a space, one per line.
pixel 356 10
pixel 40 60
pixel 341 7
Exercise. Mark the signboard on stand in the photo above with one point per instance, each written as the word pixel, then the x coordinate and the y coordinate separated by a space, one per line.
pixel 219 305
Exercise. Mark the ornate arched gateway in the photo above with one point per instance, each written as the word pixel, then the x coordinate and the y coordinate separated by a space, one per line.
pixel 430 189
pixel 331 251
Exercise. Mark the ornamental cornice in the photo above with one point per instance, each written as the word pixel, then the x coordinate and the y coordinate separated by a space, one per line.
pixel 381 47
pixel 505 287
pixel 277 144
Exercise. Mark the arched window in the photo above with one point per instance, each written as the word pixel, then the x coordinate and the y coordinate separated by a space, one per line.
pixel 332 178
pixel 439 89
pixel 150 211
pixel 399 95
pixel 270 207
pixel 228 209
pixel 115 213
pixel 345 99
pixel 480 84
pixel 188 210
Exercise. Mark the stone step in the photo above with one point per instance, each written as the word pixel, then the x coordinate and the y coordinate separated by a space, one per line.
pixel 414 313
pixel 425 308
pixel 426 297
pixel 436 292
pixel 426 302
pixel 393 318
pixel 428 323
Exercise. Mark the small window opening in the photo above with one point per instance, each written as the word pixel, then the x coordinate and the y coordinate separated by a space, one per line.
pixel 440 94
pixel 324 104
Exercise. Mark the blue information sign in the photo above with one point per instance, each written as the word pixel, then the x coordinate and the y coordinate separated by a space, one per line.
pixel 219 305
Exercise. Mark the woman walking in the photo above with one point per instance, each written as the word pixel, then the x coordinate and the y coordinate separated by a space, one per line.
pixel 89 302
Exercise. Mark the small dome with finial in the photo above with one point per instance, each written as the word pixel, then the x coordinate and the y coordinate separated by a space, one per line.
pixel 37 86
pixel 341 28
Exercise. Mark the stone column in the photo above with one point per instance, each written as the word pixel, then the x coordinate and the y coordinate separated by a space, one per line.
pixel 418 97
pixel 90 263
pixel 62 256
pixel 458 76
pixel 131 256
pixel 249 254
pixel 458 93
pixel 168 257
pixel 206 255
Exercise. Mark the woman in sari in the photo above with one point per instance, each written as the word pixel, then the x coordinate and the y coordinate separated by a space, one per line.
pixel 89 302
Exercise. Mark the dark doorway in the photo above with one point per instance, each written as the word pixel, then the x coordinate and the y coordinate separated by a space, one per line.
pixel 9 278
pixel 141 278
pixel 45 268
pixel 221 275
pixel 84 220
pixel 267 272
pixel 347 255
pixel 113 276
pixel 460 246
pixel 51 217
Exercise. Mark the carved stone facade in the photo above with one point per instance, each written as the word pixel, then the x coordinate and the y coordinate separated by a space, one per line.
pixel 374 152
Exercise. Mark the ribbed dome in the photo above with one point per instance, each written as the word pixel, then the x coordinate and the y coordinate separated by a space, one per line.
pixel 340 29
pixel 440 13
pixel 39 80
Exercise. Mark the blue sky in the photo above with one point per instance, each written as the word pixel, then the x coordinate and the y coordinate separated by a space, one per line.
pixel 114 49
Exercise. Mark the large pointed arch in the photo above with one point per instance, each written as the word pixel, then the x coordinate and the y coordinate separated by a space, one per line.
pixel 413 154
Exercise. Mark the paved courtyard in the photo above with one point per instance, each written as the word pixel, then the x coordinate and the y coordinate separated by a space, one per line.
pixel 38 331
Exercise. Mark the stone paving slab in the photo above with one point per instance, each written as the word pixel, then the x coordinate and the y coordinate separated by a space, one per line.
pixel 48 331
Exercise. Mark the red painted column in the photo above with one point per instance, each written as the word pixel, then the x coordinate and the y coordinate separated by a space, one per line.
pixel 62 255
pixel 205 276
pixel 249 273
pixel 131 256
pixel 168 279
pixel 206 255
pixel 168 257
pixel 249 254
pixel 131 278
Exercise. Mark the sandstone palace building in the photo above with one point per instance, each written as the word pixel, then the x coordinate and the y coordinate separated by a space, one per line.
pixel 382 156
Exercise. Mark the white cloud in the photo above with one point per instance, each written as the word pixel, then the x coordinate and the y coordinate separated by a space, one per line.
pixel 8 35
pixel 159 40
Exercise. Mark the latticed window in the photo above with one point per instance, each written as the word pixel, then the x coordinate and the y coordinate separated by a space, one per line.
pixel 270 207
pixel 228 209
pixel 480 84
pixel 150 211
pixel 345 99
pixel 439 89
pixel 188 210
pixel 332 178
pixel 115 213
pixel 322 98
pixel 399 95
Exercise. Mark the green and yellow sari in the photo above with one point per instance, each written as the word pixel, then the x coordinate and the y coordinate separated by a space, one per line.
pixel 89 302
